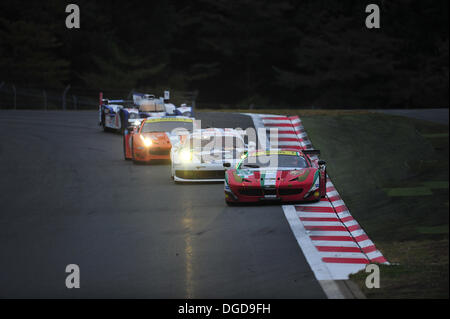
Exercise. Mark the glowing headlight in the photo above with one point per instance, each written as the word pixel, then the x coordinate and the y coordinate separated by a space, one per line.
pixel 185 156
pixel 147 141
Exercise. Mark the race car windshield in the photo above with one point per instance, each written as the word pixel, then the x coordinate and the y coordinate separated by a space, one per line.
pixel 274 160
pixel 167 126
pixel 215 142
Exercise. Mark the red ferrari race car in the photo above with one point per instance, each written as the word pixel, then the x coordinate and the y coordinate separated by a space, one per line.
pixel 275 175
pixel 153 138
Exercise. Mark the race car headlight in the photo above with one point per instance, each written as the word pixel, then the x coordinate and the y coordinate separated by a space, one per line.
pixel 147 142
pixel 185 156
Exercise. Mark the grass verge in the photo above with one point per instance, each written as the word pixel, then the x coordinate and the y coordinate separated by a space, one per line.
pixel 392 172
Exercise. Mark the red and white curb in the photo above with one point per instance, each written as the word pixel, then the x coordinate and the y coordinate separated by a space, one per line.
pixel 332 241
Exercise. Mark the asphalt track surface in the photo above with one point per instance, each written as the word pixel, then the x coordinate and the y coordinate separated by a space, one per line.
pixel 68 197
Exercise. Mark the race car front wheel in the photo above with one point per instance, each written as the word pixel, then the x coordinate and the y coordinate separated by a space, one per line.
pixel 230 203
pixel 125 148
pixel 133 158
pixel 103 122
pixel 132 151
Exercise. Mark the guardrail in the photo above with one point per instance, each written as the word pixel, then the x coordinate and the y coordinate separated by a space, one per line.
pixel 72 98
pixel 15 97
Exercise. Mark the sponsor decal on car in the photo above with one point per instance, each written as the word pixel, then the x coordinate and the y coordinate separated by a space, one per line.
pixel 302 175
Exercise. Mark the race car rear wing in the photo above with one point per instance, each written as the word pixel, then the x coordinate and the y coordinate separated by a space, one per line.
pixel 104 101
pixel 311 152
pixel 139 97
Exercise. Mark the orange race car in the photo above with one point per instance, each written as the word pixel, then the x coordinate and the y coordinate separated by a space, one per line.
pixel 153 138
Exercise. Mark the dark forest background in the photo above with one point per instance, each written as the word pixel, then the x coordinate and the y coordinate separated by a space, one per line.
pixel 297 53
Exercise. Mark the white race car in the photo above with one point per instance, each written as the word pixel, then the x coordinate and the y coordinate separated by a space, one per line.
pixel 201 156
pixel 117 115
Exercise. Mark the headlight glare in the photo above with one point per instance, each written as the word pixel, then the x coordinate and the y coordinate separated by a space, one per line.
pixel 147 141
pixel 185 156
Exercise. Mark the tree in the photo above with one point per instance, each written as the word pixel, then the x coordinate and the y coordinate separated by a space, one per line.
pixel 29 54
pixel 119 70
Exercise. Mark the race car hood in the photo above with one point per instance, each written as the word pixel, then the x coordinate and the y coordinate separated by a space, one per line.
pixel 161 138
pixel 273 177
pixel 158 138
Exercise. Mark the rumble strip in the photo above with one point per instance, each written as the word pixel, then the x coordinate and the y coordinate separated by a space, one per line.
pixel 332 241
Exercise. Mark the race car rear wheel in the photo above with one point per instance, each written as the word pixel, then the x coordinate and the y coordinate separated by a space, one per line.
pixel 323 186
pixel 122 126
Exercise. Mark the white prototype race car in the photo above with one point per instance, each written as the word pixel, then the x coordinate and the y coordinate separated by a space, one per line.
pixel 117 115
pixel 200 157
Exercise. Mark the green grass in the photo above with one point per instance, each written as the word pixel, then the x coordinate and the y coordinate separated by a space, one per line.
pixel 380 164
pixel 422 272
pixel 394 179
pixel 408 191
pixel 437 135
pixel 302 112
pixel 442 229
pixel 436 185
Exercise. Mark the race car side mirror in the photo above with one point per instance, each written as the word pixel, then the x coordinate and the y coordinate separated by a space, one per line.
pixel 226 165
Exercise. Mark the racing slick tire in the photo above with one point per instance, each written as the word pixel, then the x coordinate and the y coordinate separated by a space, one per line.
pixel 105 129
pixel 325 186
pixel 132 152
pixel 125 149
pixel 230 203
pixel 121 130
pixel 135 161
pixel 172 175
